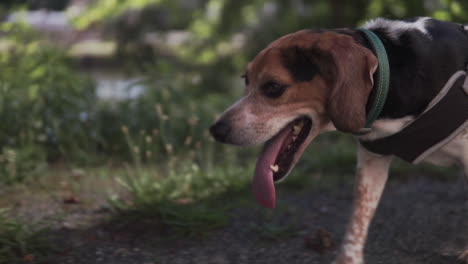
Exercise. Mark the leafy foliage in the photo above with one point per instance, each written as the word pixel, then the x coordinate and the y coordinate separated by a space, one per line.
pixel 19 242
pixel 221 36
pixel 44 104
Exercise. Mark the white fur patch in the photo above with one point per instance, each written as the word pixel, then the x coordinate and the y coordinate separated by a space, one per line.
pixel 455 151
pixel 466 28
pixel 353 252
pixel 386 127
pixel 395 28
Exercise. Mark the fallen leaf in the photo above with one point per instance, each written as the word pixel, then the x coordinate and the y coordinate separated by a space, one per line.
pixel 72 199
pixel 29 258
pixel 321 242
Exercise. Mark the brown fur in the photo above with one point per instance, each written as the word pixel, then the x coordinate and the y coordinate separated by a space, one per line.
pixel 353 84
pixel 351 66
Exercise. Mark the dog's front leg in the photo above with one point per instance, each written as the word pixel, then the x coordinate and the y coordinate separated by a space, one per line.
pixel 371 176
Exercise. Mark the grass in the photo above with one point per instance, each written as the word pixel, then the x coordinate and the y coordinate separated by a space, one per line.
pixel 187 197
pixel 20 243
pixel 181 181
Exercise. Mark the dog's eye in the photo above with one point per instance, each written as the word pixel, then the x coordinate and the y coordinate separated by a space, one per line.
pixel 273 89
pixel 246 79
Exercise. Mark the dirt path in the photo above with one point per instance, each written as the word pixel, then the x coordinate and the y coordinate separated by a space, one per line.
pixel 419 222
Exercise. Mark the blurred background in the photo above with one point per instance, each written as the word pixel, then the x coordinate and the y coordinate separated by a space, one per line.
pixel 107 102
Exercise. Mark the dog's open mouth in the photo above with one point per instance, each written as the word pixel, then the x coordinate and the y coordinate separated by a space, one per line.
pixel 278 157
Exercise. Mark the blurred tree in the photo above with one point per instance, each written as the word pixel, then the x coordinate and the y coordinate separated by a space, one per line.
pixel 55 5
pixel 222 34
pixel 8 6
pixel 10 3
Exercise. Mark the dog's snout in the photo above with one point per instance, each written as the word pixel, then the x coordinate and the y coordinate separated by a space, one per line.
pixel 220 130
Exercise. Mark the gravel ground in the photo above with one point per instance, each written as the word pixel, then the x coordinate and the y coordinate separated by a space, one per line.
pixel 421 221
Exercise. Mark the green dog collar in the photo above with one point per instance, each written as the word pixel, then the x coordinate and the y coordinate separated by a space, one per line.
pixel 382 78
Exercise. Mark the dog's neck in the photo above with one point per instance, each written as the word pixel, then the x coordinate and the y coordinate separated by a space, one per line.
pixel 416 73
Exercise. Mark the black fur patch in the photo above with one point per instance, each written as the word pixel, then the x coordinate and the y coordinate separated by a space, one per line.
pixel 419 65
pixel 300 63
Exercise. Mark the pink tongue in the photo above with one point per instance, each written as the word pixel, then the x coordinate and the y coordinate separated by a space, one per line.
pixel 263 185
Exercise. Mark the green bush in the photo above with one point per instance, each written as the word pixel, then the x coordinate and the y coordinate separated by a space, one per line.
pixel 45 106
pixel 50 113
pixel 20 242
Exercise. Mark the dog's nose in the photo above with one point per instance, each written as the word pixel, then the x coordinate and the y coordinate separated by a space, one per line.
pixel 220 130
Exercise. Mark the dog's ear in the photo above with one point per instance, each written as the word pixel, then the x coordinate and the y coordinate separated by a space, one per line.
pixel 352 67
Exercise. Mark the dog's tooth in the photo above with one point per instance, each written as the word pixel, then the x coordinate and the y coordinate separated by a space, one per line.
pixel 274 168
pixel 294 138
pixel 296 130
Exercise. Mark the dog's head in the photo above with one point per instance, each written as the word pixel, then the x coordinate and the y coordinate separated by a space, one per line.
pixel 301 85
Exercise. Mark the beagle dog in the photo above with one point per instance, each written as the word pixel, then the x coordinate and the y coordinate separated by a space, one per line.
pixel 313 81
